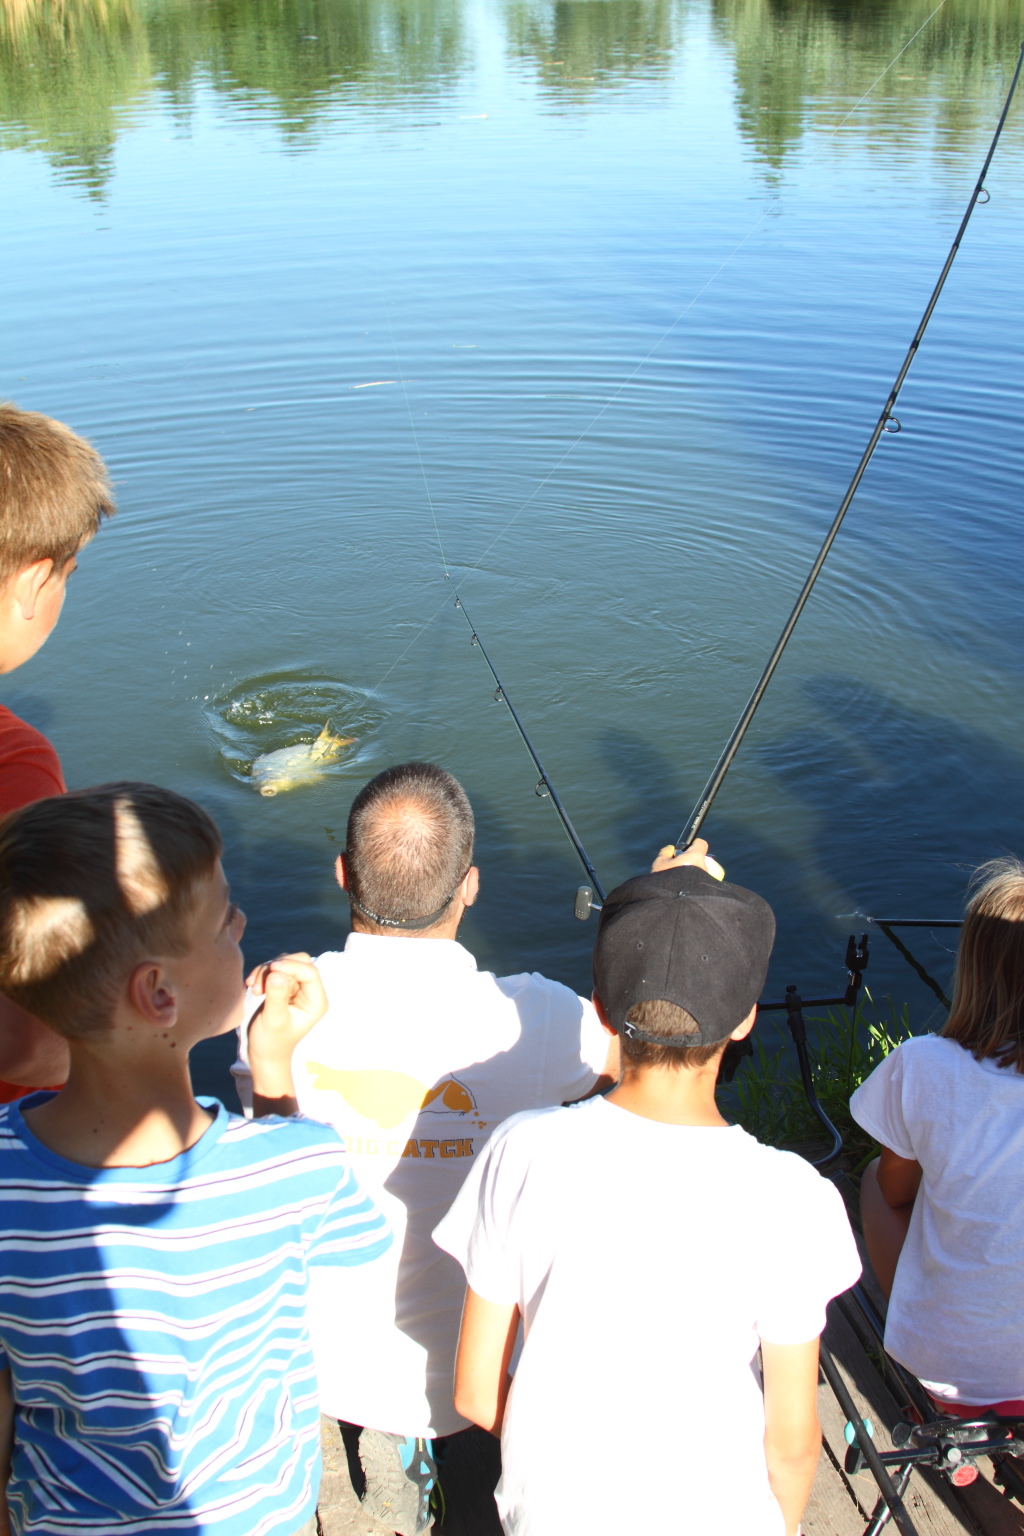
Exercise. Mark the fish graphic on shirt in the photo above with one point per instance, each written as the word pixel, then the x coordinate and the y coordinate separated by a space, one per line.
pixel 455 1097
pixel 388 1097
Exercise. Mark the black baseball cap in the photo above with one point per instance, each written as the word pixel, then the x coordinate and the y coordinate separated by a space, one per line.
pixel 683 936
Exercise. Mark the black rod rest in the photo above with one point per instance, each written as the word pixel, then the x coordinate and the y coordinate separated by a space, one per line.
pixel 798 1029
pixel 857 956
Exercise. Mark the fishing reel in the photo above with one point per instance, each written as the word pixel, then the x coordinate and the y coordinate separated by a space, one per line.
pixel 585 903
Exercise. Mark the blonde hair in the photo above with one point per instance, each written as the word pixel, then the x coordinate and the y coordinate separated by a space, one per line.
pixel 987 1016
pixel 91 884
pixel 54 491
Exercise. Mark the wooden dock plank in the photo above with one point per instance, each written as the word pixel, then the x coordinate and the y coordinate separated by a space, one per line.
pixel 833 1508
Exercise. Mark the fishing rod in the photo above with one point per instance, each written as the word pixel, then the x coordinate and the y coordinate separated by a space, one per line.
pixel 886 422
pixel 544 787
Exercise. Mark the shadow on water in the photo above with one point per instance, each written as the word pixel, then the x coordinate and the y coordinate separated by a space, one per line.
pixel 881 777
pixel 652 806
pixel 523 920
pixel 872 773
pixel 809 946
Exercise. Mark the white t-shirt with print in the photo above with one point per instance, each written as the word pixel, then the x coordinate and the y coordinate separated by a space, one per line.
pixel 647 1261
pixel 956 1316
pixel 418 1058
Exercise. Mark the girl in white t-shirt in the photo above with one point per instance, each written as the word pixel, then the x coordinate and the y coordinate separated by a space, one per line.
pixel 943 1206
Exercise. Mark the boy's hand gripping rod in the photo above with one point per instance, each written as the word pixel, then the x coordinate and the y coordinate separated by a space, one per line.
pixel 886 422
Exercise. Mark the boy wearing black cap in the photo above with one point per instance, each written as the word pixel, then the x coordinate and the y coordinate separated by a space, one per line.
pixel 651 1250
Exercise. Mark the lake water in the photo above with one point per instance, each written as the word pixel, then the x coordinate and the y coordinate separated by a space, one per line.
pixel 599 298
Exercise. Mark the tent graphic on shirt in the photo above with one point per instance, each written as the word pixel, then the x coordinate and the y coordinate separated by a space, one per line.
pixel 388 1097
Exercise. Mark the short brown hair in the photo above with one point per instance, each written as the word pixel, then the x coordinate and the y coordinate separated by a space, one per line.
pixel 410 842
pixel 987 1016
pixel 54 491
pixel 91 883
pixel 657 1016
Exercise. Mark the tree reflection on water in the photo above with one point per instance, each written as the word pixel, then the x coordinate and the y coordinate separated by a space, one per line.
pixel 581 46
pixel 70 73
pixel 73 72
pixel 806 63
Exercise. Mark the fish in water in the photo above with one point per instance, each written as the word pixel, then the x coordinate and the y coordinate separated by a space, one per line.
pixel 301 764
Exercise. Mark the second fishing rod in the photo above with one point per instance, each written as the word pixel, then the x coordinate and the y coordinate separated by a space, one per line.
pixel 886 422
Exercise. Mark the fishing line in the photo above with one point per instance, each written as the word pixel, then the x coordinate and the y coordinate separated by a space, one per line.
pixel 472 569
pixel 684 312
pixel 426 487
pixel 886 422
pixel 415 435
pixel 544 787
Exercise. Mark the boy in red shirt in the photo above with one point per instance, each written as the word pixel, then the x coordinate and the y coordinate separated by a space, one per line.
pixel 54 493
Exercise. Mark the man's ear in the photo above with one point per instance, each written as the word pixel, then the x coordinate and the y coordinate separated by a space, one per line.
pixel 599 1009
pixel 743 1030
pixel 151 995
pixel 27 585
pixel 341 871
pixel 469 890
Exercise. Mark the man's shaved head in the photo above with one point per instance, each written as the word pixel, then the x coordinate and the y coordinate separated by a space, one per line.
pixel 410 844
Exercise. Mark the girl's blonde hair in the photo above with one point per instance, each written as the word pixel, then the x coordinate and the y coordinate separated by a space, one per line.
pixel 987 1016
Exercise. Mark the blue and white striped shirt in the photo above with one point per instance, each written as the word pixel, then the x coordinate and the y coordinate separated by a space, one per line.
pixel 153 1320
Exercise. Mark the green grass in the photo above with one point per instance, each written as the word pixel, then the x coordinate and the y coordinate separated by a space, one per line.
pixel 767 1097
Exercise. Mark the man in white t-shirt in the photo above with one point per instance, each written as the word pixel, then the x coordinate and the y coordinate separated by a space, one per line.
pixel 418 1058
pixel 651 1250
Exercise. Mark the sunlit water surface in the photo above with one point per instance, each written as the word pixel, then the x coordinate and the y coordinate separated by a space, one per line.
pixel 593 303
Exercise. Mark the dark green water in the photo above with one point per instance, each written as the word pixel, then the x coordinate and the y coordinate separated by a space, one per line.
pixel 616 288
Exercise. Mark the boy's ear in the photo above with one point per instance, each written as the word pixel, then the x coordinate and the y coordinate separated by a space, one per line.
pixel 341 871
pixel 743 1030
pixel 151 996
pixel 470 887
pixel 599 1009
pixel 27 584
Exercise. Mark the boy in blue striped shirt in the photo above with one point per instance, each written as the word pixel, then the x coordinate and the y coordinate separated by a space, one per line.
pixel 155 1369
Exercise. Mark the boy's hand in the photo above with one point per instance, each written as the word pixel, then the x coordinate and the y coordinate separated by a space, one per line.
pixel 293 1001
pixel 697 853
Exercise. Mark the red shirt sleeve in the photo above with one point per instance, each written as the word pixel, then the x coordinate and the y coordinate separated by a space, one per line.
pixel 29 766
